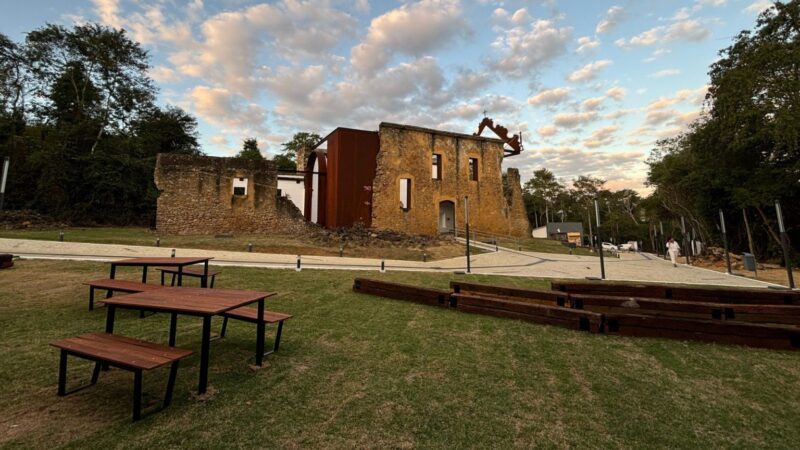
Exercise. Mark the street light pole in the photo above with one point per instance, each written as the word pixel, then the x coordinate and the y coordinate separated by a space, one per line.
pixel 6 163
pixel 599 241
pixel 663 241
pixel 685 241
pixel 785 244
pixel 725 240
pixel 466 227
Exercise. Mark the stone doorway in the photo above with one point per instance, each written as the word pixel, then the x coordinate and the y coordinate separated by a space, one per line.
pixel 447 217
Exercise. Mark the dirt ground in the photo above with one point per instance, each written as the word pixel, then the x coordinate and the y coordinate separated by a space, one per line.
pixel 768 271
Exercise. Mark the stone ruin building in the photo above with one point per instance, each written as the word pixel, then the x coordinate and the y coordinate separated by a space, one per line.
pixel 402 178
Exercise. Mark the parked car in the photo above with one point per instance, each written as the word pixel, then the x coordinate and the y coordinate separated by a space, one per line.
pixel 609 247
pixel 627 247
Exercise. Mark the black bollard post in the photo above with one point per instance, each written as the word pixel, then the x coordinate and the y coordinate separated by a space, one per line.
pixel 787 257
pixel 249 247
pixel 685 241
pixel 341 250
pixel 297 267
pixel 173 253
pixel 598 235
pixel 424 257
pixel 61 236
pixel 383 266
pixel 725 240
pixel 158 242
pixel 466 224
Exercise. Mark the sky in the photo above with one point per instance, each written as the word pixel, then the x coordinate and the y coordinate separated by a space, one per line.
pixel 592 85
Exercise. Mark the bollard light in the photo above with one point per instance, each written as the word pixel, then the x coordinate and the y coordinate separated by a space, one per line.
pixel 173 253
pixel 341 250
pixel 61 236
pixel 158 242
pixel 249 247
pixel 424 257
pixel 297 267
pixel 383 266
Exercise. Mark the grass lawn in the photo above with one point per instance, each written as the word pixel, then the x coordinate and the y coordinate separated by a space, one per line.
pixel 543 246
pixel 360 371
pixel 264 243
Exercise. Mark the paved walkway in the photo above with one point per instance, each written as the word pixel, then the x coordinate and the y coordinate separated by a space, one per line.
pixel 630 266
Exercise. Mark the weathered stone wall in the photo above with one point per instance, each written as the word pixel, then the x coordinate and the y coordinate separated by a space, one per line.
pixel 406 152
pixel 196 197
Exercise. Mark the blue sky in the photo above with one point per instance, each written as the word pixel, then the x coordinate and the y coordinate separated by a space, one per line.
pixel 591 84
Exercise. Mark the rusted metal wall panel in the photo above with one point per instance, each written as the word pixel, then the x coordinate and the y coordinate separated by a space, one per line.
pixel 352 156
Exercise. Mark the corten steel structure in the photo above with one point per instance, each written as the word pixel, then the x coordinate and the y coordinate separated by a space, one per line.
pixel 339 178
pixel 411 179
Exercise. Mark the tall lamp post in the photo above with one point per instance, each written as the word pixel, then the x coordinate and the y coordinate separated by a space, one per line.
pixel 6 163
pixel 725 240
pixel 466 228
pixel 599 240
pixel 663 238
pixel 785 244
pixel 685 241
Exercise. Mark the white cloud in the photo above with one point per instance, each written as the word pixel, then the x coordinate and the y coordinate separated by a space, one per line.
pixel 592 103
pixel 665 73
pixel 586 44
pixel 601 136
pixel 613 17
pixel 683 30
pixel 589 71
pixel 574 119
pixel 412 29
pixel 221 107
pixel 520 16
pixel 550 97
pixel 758 5
pixel 546 131
pixel 524 51
pixel 617 93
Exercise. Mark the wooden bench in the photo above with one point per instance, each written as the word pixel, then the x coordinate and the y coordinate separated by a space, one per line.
pixel 398 291
pixel 250 315
pixel 543 314
pixel 111 285
pixel 126 353
pixel 188 272
pixel 536 296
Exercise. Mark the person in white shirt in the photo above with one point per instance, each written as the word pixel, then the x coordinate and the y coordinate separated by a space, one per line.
pixel 673 249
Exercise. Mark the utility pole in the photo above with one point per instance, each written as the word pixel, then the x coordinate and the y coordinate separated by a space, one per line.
pixel 591 236
pixel 685 241
pixel 6 163
pixel 599 241
pixel 466 226
pixel 785 244
pixel 725 240
pixel 663 239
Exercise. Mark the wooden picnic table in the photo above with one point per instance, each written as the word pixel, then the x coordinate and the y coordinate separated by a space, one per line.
pixel 199 302
pixel 147 262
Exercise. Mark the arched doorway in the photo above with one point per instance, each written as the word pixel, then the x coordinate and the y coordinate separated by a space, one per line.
pixel 447 217
pixel 316 187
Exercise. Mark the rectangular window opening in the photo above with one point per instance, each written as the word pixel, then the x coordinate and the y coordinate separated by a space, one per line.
pixel 405 194
pixel 436 167
pixel 240 187
pixel 473 169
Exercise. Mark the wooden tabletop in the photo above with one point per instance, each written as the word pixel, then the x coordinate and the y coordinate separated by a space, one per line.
pixel 198 301
pixel 160 261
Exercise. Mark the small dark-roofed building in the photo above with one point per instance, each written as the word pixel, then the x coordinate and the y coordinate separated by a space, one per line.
pixel 561 231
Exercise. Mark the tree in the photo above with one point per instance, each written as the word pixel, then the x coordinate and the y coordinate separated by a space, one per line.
pixel 299 141
pixel 250 150
pixel 169 130
pixel 97 70
pixel 541 191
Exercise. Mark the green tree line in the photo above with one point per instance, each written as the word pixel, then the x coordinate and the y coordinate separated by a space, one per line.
pixel 79 121
pixel 743 154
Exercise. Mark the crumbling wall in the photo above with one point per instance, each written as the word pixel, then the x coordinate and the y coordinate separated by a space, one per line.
pixel 406 152
pixel 196 197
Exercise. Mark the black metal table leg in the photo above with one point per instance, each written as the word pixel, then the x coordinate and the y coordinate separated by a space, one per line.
pixel 204 355
pixel 180 275
pixel 144 274
pixel 113 271
pixel 110 315
pixel 173 372
pixel 137 395
pixel 91 298
pixel 204 280
pixel 162 277
pixel 278 336
pixel 260 333
pixel 62 374
pixel 173 325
